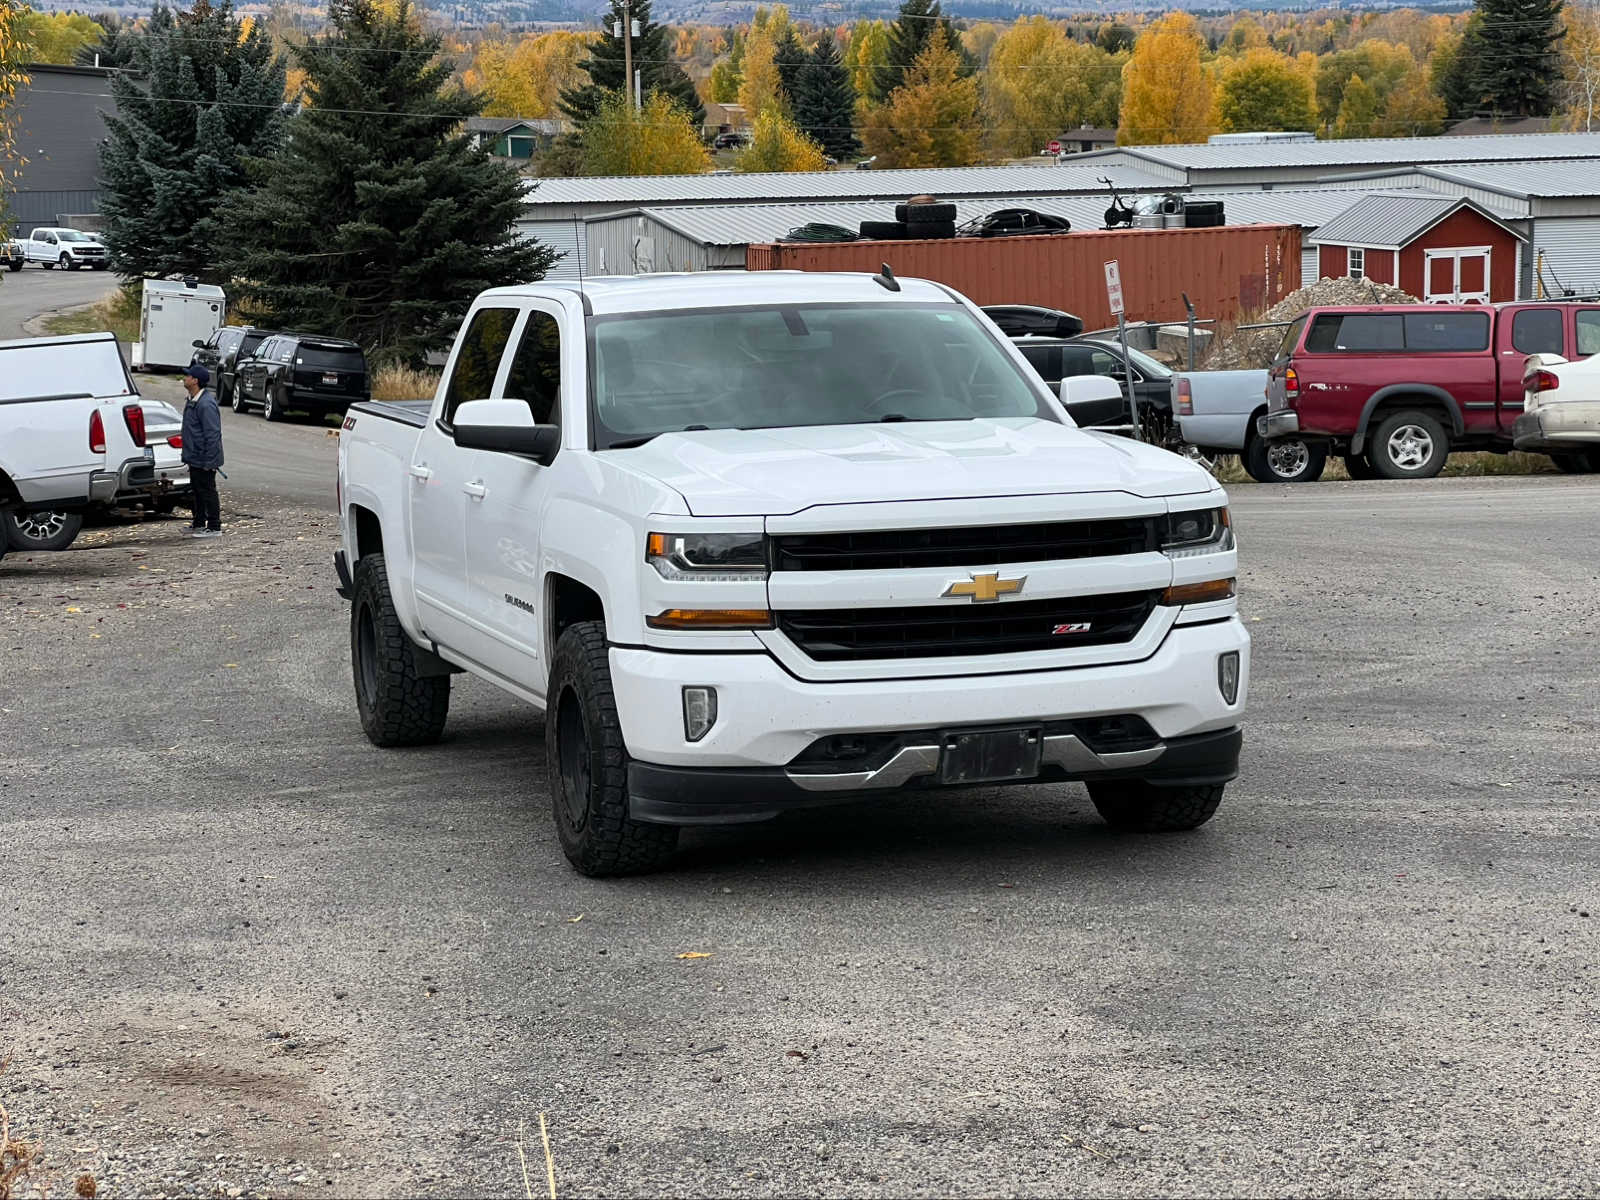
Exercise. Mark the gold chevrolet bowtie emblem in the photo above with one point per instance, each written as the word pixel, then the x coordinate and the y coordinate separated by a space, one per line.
pixel 985 588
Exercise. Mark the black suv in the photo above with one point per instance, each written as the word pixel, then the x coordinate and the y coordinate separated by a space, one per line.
pixel 223 351
pixel 300 372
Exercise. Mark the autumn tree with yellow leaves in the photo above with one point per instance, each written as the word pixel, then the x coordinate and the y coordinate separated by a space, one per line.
pixel 659 139
pixel 932 119
pixel 1166 95
pixel 1038 82
pixel 776 144
pixel 525 78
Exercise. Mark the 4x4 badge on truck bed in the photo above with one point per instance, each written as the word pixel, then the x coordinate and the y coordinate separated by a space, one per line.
pixel 984 588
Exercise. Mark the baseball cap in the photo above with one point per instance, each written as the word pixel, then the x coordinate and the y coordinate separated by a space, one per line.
pixel 198 373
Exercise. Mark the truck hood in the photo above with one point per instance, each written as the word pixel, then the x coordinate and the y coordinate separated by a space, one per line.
pixel 776 472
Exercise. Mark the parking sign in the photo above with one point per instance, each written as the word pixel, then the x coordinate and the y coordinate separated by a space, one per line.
pixel 1114 287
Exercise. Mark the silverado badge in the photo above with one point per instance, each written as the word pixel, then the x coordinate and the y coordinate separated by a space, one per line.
pixel 985 588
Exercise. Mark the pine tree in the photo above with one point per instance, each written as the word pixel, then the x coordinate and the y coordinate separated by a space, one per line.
pixel 379 221
pixel 790 56
pixel 933 120
pixel 652 58
pixel 908 38
pixel 825 101
pixel 210 97
pixel 115 48
pixel 1520 75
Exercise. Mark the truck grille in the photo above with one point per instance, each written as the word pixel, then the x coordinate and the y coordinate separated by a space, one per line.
pixel 938 631
pixel 898 549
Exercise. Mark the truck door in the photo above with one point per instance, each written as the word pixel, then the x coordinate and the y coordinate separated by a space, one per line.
pixel 1528 331
pixel 506 509
pixel 438 474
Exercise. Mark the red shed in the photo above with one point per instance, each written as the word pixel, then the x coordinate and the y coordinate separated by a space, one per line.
pixel 1435 247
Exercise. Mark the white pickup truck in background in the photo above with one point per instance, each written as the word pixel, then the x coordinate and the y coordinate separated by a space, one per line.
pixel 767 541
pixel 1561 411
pixel 72 426
pixel 66 248
pixel 1216 411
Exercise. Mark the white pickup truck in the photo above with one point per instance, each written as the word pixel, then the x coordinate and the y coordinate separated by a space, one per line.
pixel 68 249
pixel 767 541
pixel 72 427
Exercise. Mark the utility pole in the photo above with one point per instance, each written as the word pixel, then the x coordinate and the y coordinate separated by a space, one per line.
pixel 627 29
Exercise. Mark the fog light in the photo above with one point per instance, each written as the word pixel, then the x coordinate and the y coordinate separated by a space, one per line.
pixel 1227 677
pixel 700 709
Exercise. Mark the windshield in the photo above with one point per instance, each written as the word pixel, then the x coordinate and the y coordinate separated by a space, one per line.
pixel 1149 367
pixel 72 235
pixel 62 369
pixel 782 367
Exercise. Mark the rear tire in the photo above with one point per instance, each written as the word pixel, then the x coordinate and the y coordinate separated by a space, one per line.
pixel 399 706
pixel 35 531
pixel 1359 466
pixel 586 761
pixel 1291 461
pixel 1148 808
pixel 271 404
pixel 1409 444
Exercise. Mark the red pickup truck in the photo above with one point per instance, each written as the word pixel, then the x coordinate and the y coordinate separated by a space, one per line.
pixel 1396 388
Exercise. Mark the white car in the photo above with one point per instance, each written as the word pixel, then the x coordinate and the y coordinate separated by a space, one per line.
pixel 68 249
pixel 1561 411
pixel 769 541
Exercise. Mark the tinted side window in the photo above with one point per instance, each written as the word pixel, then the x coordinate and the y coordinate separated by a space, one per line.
pixel 478 357
pixel 1356 333
pixel 1588 332
pixel 1537 331
pixel 264 351
pixel 1044 359
pixel 1447 332
pixel 536 370
pixel 1076 360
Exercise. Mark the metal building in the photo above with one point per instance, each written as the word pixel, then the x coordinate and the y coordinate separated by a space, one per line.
pixel 59 128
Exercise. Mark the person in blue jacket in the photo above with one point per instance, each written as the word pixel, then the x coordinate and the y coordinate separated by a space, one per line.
pixel 202 450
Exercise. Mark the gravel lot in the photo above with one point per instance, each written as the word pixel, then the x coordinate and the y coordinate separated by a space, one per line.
pixel 246 953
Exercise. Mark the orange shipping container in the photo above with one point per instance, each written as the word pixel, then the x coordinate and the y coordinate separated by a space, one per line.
pixel 1229 271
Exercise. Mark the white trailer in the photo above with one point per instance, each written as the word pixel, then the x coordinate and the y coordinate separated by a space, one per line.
pixel 173 315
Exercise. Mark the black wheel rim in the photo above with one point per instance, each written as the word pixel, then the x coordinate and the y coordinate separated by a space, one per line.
pixel 367 654
pixel 572 745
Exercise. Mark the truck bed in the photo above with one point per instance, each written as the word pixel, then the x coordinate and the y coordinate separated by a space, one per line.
pixel 407 412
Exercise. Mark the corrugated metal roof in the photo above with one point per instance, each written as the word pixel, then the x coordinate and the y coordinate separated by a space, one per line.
pixel 1390 219
pixel 1562 177
pixel 746 224
pixel 1357 152
pixel 945 182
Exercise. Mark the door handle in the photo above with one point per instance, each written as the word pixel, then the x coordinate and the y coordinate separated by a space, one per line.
pixel 418 471
pixel 475 489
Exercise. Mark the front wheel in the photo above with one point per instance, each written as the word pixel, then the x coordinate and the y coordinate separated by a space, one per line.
pixel 1580 462
pixel 1149 808
pixel 1284 461
pixel 1410 444
pixel 399 705
pixel 586 762
pixel 68 264
pixel 41 530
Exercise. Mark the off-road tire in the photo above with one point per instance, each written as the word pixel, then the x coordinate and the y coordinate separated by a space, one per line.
pixel 1359 466
pixel 1579 462
pixel 925 214
pixel 1380 449
pixel 1264 467
pixel 1148 808
pixel 586 762
pixel 12 532
pixel 398 705
pixel 885 231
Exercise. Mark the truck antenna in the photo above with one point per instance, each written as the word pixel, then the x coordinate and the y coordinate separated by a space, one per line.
pixel 885 279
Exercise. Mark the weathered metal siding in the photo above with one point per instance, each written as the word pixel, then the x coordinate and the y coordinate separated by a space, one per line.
pixel 1228 271
pixel 1571 249
pixel 562 236
pixel 30 209
pixel 638 245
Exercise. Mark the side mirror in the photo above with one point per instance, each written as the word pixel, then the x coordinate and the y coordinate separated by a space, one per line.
pixel 1093 400
pixel 506 427
pixel 198 344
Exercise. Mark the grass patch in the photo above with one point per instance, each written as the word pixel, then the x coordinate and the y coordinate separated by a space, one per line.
pixel 118 313
pixel 404 383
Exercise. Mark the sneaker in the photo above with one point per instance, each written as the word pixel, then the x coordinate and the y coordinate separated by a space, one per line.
pixel 208 533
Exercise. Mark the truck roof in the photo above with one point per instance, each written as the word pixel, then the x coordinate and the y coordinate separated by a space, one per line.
pixel 728 289
pixel 65 339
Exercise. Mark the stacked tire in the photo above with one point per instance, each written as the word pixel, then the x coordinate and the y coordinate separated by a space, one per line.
pixel 915 220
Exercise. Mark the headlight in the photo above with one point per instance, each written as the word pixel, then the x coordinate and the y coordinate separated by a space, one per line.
pixel 1198 531
pixel 708 557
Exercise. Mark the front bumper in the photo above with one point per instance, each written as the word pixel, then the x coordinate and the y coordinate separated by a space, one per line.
pixel 1278 424
pixel 767 717
pixel 1557 428
pixel 736 795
